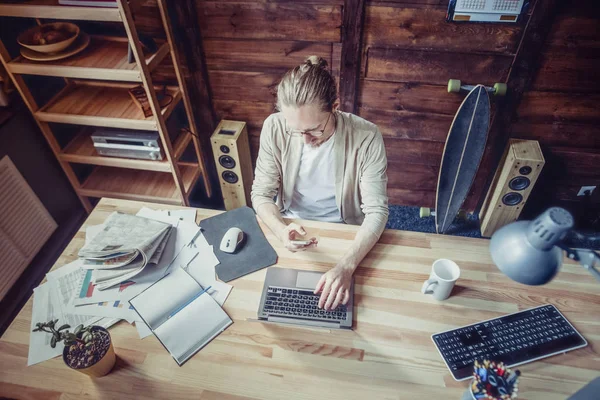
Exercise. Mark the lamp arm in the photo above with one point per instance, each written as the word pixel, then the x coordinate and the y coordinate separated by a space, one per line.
pixel 587 258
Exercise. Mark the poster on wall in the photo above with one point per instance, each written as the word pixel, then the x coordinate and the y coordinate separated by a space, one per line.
pixel 507 11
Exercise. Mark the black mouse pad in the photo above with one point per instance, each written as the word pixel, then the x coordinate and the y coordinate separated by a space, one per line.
pixel 255 252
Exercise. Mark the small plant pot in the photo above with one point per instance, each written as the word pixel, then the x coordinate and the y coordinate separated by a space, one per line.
pixel 94 361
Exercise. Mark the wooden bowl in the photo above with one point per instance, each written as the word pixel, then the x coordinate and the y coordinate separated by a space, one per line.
pixel 65 35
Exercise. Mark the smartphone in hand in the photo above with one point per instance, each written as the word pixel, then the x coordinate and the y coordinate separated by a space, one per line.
pixel 301 242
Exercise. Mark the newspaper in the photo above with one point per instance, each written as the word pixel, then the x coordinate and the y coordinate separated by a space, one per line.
pixel 110 263
pixel 110 278
pixel 122 234
pixel 185 233
pixel 123 248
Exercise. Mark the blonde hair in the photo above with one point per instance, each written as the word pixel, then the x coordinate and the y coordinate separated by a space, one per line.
pixel 308 83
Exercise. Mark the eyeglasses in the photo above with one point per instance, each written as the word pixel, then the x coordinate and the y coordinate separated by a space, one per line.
pixel 314 132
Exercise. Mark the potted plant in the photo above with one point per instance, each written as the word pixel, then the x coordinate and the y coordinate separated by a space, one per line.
pixel 88 349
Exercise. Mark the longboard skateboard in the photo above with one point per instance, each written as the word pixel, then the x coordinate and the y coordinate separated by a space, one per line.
pixel 463 151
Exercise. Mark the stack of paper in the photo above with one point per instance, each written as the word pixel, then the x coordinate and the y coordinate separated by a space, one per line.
pixel 124 247
pixel 72 293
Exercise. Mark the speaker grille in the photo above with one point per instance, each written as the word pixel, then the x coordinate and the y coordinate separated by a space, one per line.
pixel 224 149
pixel 227 162
pixel 512 199
pixel 229 176
pixel 519 183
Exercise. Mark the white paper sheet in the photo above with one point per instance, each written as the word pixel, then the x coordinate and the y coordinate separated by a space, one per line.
pixel 188 215
pixel 64 287
pixel 218 291
pixel 107 322
pixel 109 309
pixel 43 311
pixel 142 329
pixel 90 295
pixel 201 266
pixel 185 215
pixel 67 278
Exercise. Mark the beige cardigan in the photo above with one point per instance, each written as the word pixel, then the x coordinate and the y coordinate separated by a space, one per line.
pixel 360 170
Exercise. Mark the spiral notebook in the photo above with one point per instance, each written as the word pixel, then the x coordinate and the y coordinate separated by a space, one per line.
pixel 181 314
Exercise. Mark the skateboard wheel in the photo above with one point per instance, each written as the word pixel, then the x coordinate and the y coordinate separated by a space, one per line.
pixel 499 89
pixel 462 215
pixel 454 86
pixel 424 212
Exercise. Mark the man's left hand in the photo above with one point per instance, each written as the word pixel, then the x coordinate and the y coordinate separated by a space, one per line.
pixel 334 286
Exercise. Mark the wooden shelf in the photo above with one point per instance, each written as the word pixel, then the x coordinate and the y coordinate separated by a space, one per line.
pixel 102 104
pixel 51 9
pixel 104 59
pixel 81 150
pixel 139 185
pixel 182 142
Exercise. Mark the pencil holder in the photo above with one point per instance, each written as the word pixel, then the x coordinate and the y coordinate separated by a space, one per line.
pixel 492 381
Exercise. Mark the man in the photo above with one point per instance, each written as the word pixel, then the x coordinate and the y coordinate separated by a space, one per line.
pixel 321 164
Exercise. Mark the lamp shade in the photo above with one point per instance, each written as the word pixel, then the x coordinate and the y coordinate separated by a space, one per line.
pixel 526 251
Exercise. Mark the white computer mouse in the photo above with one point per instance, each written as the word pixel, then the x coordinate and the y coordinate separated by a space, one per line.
pixel 231 240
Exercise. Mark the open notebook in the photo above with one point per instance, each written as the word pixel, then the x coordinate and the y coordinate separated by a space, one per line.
pixel 183 321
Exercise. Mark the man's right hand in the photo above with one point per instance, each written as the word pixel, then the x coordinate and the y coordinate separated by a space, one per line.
pixel 295 232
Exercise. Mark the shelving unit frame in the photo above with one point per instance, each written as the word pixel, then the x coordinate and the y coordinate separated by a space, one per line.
pixel 96 95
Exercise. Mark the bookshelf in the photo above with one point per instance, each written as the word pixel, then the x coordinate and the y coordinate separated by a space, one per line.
pixel 95 94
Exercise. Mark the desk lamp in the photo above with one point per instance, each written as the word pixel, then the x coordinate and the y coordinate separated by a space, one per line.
pixel 530 252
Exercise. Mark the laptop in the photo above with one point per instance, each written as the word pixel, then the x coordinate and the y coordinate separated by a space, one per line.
pixel 288 298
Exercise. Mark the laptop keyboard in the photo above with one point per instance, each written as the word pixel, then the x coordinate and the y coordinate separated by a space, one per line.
pixel 299 303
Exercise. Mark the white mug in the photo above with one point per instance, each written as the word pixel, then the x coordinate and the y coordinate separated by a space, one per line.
pixel 444 274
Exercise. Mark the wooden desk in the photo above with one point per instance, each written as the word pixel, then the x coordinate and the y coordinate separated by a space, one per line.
pixel 389 354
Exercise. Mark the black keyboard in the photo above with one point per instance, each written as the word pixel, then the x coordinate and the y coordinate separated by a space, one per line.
pixel 514 339
pixel 299 303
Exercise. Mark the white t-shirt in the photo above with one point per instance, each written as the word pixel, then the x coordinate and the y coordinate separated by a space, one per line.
pixel 314 191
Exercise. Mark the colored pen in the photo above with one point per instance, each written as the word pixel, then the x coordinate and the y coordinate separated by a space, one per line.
pixel 188 303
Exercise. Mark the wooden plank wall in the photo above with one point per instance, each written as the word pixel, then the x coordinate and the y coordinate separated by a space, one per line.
pixel 561 108
pixel 249 45
pixel 408 54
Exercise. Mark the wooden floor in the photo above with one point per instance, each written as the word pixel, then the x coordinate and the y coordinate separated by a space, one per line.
pixel 388 355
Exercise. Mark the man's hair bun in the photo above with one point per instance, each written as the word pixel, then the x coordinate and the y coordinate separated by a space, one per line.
pixel 316 61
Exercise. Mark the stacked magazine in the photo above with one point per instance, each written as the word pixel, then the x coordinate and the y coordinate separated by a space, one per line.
pixel 125 246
